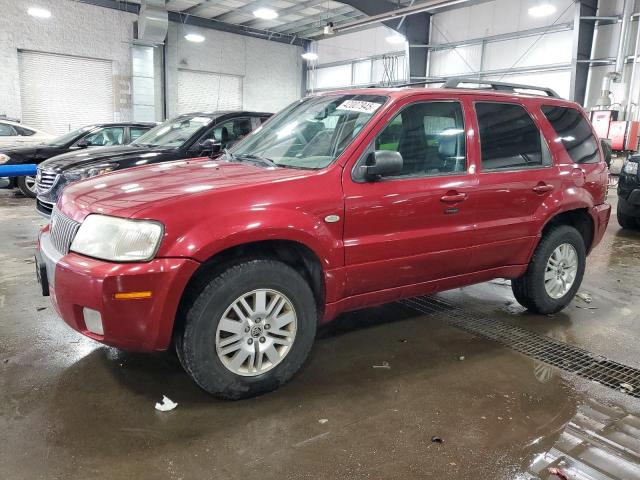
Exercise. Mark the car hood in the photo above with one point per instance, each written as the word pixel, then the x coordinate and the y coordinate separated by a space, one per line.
pixel 98 155
pixel 151 187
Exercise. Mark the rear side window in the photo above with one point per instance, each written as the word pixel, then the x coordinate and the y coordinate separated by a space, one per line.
pixel 6 130
pixel 574 132
pixel 509 139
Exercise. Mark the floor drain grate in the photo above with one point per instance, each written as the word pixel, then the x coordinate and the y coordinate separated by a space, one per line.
pixel 545 349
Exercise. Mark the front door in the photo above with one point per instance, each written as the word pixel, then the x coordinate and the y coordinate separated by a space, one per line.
pixel 416 226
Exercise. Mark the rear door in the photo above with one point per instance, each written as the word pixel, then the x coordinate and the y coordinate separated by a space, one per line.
pixel 416 226
pixel 516 177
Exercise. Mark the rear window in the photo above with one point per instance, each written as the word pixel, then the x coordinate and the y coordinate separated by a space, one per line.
pixel 574 132
pixel 509 139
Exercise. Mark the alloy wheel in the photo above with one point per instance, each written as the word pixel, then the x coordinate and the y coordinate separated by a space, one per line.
pixel 561 271
pixel 256 332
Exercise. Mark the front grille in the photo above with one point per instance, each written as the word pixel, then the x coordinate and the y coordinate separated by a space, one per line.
pixel 45 180
pixel 45 208
pixel 62 231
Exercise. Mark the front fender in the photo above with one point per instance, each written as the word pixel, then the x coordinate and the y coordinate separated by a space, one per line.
pixel 205 239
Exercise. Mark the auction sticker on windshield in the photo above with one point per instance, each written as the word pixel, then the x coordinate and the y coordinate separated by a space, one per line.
pixel 359 106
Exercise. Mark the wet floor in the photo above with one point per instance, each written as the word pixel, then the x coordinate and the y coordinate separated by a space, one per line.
pixel 441 403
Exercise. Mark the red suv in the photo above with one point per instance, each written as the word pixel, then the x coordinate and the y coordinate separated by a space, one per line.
pixel 343 200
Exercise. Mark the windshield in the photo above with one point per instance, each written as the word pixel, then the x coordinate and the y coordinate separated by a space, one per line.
pixel 70 136
pixel 311 133
pixel 174 132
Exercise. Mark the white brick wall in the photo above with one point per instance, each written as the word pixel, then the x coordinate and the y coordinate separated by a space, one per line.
pixel 272 72
pixel 73 29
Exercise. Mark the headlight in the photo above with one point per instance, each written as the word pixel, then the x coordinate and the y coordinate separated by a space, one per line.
pixel 118 239
pixel 4 158
pixel 88 172
pixel 631 167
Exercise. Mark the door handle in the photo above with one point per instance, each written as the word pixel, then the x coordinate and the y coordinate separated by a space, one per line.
pixel 453 197
pixel 542 188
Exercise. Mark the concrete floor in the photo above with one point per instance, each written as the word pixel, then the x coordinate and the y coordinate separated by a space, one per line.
pixel 73 409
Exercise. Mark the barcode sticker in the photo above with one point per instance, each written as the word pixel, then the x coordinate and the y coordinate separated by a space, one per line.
pixel 359 106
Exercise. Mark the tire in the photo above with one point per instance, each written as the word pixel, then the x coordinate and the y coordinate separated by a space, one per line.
pixel 530 289
pixel 202 342
pixel 24 184
pixel 627 222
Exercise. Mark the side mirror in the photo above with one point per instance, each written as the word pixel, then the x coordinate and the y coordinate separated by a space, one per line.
pixel 382 163
pixel 210 146
pixel 82 143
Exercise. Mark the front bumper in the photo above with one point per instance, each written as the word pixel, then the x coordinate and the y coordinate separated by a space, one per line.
pixel 79 284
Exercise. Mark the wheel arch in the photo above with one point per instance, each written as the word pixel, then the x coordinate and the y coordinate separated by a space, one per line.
pixel 579 218
pixel 290 252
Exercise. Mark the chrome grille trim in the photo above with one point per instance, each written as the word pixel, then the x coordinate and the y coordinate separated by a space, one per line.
pixel 63 230
pixel 45 180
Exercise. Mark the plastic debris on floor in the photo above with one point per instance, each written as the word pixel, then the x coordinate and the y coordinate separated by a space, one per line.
pixel 166 404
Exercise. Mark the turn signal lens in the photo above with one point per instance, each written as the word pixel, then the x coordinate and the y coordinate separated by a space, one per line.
pixel 132 295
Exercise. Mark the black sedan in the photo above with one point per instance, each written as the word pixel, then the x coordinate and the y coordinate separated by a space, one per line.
pixel 186 136
pixel 99 135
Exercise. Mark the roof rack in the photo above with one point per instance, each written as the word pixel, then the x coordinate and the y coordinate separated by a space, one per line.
pixel 498 86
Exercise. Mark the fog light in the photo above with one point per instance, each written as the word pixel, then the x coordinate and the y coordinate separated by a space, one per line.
pixel 93 321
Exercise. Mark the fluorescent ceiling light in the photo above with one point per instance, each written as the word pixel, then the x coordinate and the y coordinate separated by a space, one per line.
pixel 265 13
pixel 194 37
pixel 39 12
pixel 542 10
pixel 396 39
pixel 310 56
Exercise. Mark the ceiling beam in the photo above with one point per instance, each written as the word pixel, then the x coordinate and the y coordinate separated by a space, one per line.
pixel 179 17
pixel 249 7
pixel 345 13
pixel 286 11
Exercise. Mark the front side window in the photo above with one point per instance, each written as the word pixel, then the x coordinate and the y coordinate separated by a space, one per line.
pixel 24 132
pixel 429 136
pixel 574 133
pixel 6 130
pixel 311 133
pixel 174 132
pixel 137 132
pixel 105 137
pixel 230 132
pixel 509 139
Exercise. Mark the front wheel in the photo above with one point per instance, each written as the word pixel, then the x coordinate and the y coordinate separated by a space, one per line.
pixel 27 185
pixel 249 330
pixel 554 273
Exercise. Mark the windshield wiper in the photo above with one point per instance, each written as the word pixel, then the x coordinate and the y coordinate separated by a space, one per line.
pixel 255 158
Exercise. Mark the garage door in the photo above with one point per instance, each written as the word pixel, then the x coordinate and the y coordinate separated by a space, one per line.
pixel 60 93
pixel 207 92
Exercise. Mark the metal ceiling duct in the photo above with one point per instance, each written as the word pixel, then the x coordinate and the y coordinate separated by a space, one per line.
pixel 153 22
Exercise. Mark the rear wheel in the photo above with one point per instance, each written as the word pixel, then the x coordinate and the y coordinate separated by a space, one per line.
pixel 554 273
pixel 27 186
pixel 249 330
pixel 628 222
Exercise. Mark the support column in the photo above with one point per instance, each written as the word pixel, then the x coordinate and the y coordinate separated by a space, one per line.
pixel 583 30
